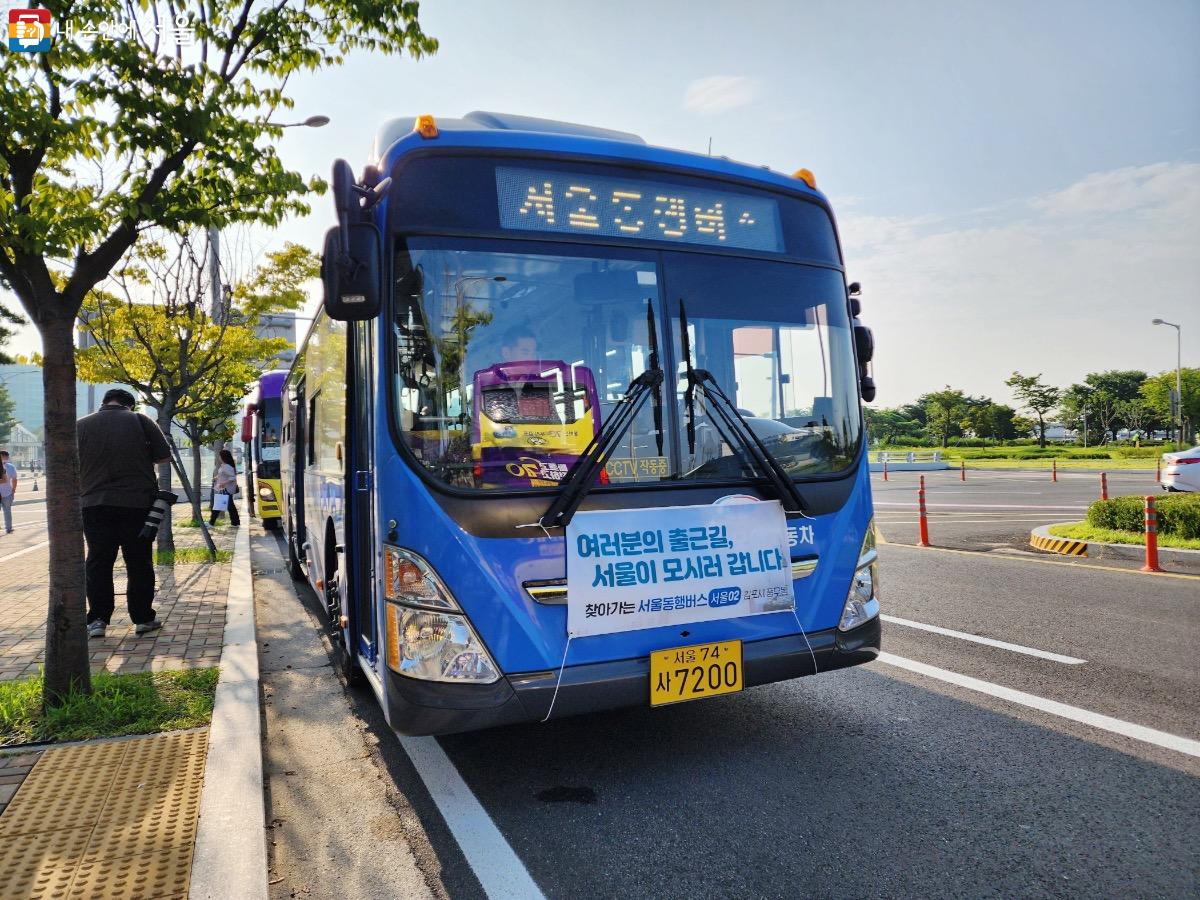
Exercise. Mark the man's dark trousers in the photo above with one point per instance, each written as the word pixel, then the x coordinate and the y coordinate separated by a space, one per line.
pixel 109 529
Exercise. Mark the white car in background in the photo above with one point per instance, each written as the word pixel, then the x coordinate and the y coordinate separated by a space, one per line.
pixel 1181 470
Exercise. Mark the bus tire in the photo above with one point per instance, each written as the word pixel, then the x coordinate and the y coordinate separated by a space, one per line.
pixel 293 561
pixel 272 524
pixel 343 657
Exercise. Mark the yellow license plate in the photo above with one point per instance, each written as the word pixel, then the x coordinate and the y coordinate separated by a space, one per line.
pixel 688 673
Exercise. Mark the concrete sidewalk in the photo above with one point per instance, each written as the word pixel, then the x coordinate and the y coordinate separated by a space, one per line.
pixel 190 601
pixel 120 817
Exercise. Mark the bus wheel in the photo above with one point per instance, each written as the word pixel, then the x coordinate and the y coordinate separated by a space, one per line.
pixel 293 561
pixel 272 524
pixel 343 656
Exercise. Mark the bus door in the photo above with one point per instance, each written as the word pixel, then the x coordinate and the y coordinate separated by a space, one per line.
pixel 299 450
pixel 362 488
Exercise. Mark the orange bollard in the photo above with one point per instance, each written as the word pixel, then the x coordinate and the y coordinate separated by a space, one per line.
pixel 885 478
pixel 1151 537
pixel 923 522
pixel 1054 470
pixel 1103 485
pixel 962 472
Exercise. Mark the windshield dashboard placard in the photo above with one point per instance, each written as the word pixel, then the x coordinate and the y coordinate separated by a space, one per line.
pixel 586 204
pixel 644 568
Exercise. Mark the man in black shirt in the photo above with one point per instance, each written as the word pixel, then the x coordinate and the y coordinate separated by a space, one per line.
pixel 118 449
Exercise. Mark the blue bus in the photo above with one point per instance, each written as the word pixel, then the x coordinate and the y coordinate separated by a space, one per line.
pixel 578 427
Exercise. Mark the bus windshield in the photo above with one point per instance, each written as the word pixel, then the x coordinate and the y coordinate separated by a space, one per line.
pixel 507 363
pixel 270 420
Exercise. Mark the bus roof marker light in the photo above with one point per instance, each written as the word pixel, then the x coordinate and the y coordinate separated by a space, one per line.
pixel 426 127
pixel 807 177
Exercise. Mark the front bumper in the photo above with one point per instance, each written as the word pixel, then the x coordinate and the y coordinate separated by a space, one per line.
pixel 419 707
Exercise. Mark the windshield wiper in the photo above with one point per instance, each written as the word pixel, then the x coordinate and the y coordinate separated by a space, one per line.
pixel 735 423
pixel 579 480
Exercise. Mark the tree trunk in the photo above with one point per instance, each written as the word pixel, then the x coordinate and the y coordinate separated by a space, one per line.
pixel 66 632
pixel 197 512
pixel 1041 432
pixel 166 535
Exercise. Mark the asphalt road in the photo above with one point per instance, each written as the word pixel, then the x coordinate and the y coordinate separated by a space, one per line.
pixel 995 510
pixel 29 520
pixel 876 781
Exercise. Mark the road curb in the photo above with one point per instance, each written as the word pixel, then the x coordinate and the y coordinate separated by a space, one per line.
pixel 1042 539
pixel 231 846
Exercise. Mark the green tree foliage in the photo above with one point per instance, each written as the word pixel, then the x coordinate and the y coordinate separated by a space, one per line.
pixel 1112 391
pixel 891 426
pixel 1035 396
pixel 6 333
pixel 1156 391
pixel 1023 427
pixel 944 410
pixel 7 408
pixel 103 137
pixel 1075 412
pixel 987 419
pixel 189 367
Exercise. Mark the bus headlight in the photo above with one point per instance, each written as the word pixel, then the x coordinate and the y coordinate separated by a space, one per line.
pixel 436 646
pixel 265 492
pixel 427 635
pixel 862 601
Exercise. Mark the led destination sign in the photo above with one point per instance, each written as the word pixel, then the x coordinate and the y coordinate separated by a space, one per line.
pixel 566 203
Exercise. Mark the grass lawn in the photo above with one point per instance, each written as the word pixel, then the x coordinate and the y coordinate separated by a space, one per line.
pixel 185 555
pixel 140 703
pixel 1082 531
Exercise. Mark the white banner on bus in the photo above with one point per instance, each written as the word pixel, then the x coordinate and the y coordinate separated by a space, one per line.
pixel 644 568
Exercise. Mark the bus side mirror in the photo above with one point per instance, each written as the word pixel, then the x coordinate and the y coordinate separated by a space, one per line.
pixel 864 343
pixel 866 387
pixel 864 349
pixel 351 272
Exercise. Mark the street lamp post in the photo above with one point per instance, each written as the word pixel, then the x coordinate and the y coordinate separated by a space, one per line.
pixel 1178 377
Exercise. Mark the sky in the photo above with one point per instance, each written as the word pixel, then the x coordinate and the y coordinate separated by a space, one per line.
pixel 1017 185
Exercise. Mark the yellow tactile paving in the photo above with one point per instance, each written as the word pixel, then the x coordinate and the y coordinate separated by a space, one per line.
pixel 111 820
pixel 156 817
pixel 40 865
pixel 163 873
pixel 172 756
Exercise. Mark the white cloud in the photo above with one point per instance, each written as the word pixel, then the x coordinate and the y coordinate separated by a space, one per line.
pixel 1064 283
pixel 720 93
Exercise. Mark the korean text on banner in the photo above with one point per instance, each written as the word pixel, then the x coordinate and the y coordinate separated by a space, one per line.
pixel 644 568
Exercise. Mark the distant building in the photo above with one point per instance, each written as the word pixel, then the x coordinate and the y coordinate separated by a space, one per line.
pixel 1059 433
pixel 280 325
pixel 24 385
pixel 24 448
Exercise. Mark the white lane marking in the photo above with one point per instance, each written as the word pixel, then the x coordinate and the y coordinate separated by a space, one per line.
pixel 1053 707
pixel 976 505
pixel 499 869
pixel 45 543
pixel 991 642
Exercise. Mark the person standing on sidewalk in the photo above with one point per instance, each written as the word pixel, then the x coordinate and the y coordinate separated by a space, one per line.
pixel 225 482
pixel 118 449
pixel 8 489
